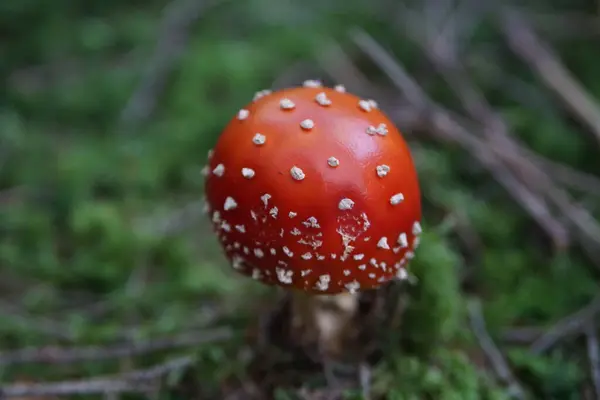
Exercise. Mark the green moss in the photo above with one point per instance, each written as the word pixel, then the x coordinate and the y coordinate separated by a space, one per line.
pixel 84 258
pixel 449 375
pixel 433 312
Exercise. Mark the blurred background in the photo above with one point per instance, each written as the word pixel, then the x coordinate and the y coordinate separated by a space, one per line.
pixel 112 285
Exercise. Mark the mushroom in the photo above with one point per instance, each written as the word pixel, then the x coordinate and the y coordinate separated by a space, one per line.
pixel 314 190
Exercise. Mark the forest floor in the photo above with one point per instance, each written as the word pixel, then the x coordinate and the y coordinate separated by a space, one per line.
pixel 113 285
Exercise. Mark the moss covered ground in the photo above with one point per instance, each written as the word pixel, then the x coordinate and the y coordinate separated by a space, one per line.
pixel 112 284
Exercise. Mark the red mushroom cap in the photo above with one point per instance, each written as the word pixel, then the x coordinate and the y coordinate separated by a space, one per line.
pixel 314 189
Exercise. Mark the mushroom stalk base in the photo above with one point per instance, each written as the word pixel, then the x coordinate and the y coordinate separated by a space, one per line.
pixel 324 319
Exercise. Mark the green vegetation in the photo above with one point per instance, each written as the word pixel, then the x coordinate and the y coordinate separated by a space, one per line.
pixel 103 242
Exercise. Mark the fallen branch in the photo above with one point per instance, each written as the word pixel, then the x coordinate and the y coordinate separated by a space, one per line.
pixel 583 182
pixel 65 72
pixel 568 176
pixel 70 388
pixel 501 142
pixel 58 355
pixel 43 325
pixel 442 121
pixel 594 356
pixel 497 133
pixel 334 60
pixel 571 325
pixel 179 18
pixel 139 381
pixel 491 69
pixel 365 376
pixel 567 25
pixel 493 353
pixel 522 335
pixel 522 38
pixel 175 222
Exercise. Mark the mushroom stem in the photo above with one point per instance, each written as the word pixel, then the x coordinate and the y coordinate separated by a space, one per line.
pixel 324 319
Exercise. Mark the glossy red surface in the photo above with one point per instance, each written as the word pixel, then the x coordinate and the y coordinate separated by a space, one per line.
pixel 297 236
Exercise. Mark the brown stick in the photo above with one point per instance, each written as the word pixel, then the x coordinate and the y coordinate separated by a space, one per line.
pixel 494 355
pixel 537 54
pixel 443 122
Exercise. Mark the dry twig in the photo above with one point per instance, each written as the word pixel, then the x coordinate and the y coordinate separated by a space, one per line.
pixel 70 388
pixel 139 381
pixel 58 355
pixel 508 149
pixel 522 335
pixel 179 18
pixel 571 325
pixel 594 356
pixel 175 222
pixel 43 325
pixel 492 70
pixel 476 105
pixel 493 353
pixel 66 72
pixel 568 176
pixel 334 60
pixel 524 41
pixel 444 122
pixel 567 25
pixel 364 378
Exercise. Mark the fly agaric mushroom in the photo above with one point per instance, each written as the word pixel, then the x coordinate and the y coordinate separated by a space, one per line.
pixel 313 189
